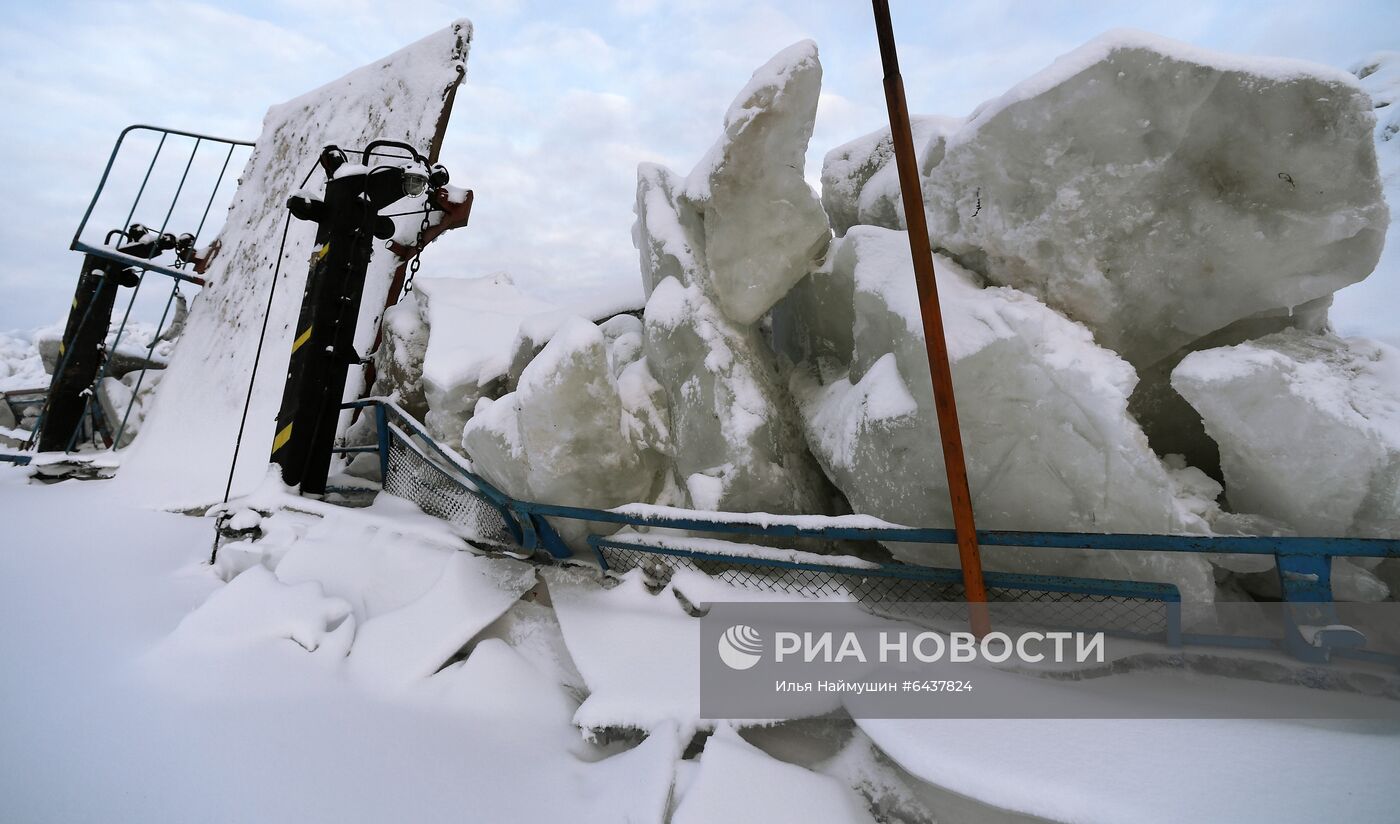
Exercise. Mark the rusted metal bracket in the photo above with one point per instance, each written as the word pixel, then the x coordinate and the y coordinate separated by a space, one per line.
pixel 453 215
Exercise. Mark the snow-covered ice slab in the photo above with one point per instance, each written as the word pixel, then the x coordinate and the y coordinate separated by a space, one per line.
pixel 1308 428
pixel 21 365
pixel 377 566
pixel 738 782
pixel 124 357
pixel 398 363
pixel 499 687
pixel 737 441
pixel 564 436
pixel 183 454
pixel 532 629
pixel 1157 192
pixel 256 608
pixel 471 323
pixel 1049 442
pixel 174 737
pixel 454 341
pixel 764 226
pixel 637 653
pixel 718 248
pixel 668 233
pixel 860 184
pixel 413 641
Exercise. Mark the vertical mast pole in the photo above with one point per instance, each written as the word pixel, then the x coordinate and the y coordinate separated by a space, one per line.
pixel 944 403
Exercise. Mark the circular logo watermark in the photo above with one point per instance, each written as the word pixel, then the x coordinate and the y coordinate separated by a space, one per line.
pixel 740 647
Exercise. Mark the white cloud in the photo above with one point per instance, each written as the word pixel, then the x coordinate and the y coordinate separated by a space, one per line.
pixel 560 103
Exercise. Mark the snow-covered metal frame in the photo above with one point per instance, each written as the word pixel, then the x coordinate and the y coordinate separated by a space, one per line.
pixel 1303 563
pixel 109 257
pixel 109 252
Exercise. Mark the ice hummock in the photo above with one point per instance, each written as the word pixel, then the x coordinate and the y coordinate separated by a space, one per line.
pixel 860 184
pixel 1168 197
pixel 398 362
pixel 717 249
pixel 735 433
pixel 1308 428
pixel 667 234
pixel 471 324
pixel 565 436
pixel 1157 192
pixel 21 366
pixel 764 226
pixel 1049 441
pixel 688 406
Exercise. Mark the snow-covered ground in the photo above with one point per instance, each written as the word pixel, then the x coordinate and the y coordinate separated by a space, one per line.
pixel 138 686
pixel 107 720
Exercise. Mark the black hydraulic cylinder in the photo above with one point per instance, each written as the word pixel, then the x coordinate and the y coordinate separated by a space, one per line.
pixel 323 349
pixel 83 346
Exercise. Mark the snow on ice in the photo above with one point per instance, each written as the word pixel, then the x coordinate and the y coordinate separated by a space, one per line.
pixel 21 366
pixel 763 224
pixel 417 639
pixel 1244 186
pixel 563 436
pixel 733 427
pixel 1327 408
pixel 1157 193
pixel 860 185
pixel 739 782
pixel 1049 441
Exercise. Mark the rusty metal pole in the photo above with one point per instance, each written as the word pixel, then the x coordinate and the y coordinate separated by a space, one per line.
pixel 943 401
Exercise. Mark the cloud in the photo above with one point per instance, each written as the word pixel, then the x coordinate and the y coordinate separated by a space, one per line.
pixel 561 100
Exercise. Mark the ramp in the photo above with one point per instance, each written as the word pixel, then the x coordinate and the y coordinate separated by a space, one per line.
pixel 186 444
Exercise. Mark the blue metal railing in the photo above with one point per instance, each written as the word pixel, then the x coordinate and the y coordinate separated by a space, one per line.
pixel 1300 559
pixel 1303 563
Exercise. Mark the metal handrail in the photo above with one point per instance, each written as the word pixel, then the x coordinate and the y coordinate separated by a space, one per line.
pixel 839 528
pixel 112 159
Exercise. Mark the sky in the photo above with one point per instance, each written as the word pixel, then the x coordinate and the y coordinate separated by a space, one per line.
pixel 561 101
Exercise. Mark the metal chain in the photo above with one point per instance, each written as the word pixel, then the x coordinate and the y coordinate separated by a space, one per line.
pixel 417 259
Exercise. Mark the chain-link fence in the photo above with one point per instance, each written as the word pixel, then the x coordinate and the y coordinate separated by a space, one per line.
pixel 925 595
pixel 411 473
pixel 417 468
